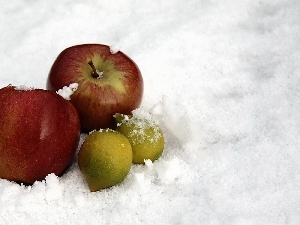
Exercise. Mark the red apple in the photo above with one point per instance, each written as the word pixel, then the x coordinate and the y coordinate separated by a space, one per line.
pixel 109 82
pixel 39 134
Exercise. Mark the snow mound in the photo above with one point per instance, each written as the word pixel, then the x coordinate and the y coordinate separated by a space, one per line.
pixel 174 118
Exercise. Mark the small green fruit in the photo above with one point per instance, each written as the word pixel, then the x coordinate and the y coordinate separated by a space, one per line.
pixel 105 158
pixel 144 134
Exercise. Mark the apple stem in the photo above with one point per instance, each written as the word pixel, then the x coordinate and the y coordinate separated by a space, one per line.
pixel 96 73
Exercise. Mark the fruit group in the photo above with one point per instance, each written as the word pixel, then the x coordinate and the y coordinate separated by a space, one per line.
pixel 144 135
pixel 105 158
pixel 39 134
pixel 108 82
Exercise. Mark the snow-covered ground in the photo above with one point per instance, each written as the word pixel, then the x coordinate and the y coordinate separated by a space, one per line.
pixel 223 79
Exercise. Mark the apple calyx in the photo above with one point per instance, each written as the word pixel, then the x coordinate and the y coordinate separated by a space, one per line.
pixel 96 73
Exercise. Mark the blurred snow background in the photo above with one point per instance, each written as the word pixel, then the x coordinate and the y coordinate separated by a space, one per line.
pixel 223 79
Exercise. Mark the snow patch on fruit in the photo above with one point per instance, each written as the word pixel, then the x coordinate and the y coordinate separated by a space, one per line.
pixel 23 88
pixel 67 91
pixel 100 74
pixel 143 114
pixel 114 49
pixel 92 131
pixel 145 127
pixel 107 130
pixel 102 130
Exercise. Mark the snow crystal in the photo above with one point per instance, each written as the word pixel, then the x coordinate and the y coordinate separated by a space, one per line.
pixel 145 127
pixel 23 88
pixel 100 74
pixel 93 131
pixel 114 49
pixel 67 91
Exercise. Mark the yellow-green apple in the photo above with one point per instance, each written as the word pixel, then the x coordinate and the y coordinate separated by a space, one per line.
pixel 144 134
pixel 39 134
pixel 109 82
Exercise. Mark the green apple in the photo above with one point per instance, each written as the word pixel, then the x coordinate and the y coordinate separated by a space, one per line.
pixel 105 158
pixel 144 135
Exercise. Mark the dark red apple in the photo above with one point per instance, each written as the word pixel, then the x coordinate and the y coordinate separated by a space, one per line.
pixel 109 82
pixel 39 134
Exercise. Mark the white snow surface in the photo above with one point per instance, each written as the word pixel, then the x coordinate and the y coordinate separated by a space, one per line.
pixel 221 77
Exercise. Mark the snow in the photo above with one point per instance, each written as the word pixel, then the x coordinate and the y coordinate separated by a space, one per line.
pixel 221 77
pixel 67 91
pixel 23 88
pixel 143 123
pixel 114 48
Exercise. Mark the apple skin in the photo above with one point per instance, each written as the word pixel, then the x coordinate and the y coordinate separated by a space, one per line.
pixel 39 134
pixel 119 90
